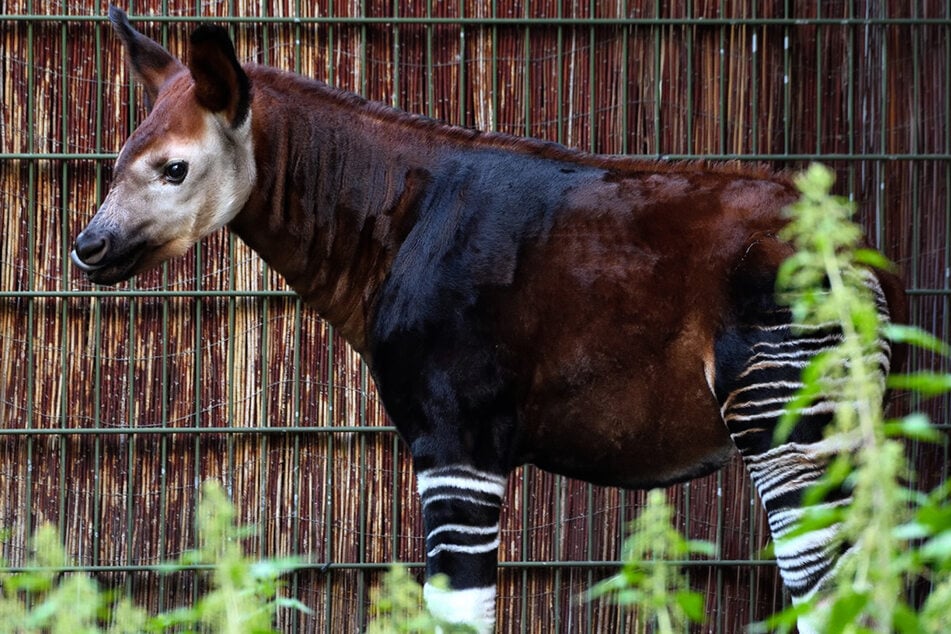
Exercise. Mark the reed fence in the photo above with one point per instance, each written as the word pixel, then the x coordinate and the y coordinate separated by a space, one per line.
pixel 116 403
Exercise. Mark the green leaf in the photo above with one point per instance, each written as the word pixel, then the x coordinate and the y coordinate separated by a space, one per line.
pixel 906 621
pixel 293 604
pixel 692 605
pixel 938 548
pixel 701 547
pixel 915 427
pixel 925 383
pixel 784 621
pixel 845 611
pixel 871 257
pixel 900 333
pixel 935 518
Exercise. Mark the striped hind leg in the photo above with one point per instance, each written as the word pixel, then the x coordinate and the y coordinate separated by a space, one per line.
pixel 758 373
pixel 461 517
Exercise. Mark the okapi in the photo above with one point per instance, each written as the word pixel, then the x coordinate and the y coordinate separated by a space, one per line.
pixel 516 301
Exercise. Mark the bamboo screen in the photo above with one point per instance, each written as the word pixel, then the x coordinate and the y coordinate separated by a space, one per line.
pixel 116 403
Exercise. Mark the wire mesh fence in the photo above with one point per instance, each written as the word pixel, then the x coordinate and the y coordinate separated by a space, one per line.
pixel 117 403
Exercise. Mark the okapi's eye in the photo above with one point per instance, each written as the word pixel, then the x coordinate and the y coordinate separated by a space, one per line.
pixel 175 172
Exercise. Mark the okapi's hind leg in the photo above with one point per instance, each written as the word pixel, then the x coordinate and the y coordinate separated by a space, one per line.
pixel 461 508
pixel 759 362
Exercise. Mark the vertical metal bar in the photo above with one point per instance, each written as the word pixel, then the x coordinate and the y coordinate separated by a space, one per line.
pixel 396 56
pixel 656 35
pixel 494 64
pixel 559 556
pixel 589 528
pixel 197 401
pixel 883 130
pixel 818 80
pixel 625 32
pixel 294 482
pixel 364 39
pixel 754 85
pixel 430 81
pixel 946 301
pixel 527 75
pixel 329 478
pixel 331 44
pixel 30 308
pixel 592 82
pixel 915 37
pixel 462 67
pixel 163 450
pixel 525 519
pixel 787 88
pixel 61 441
pixel 690 34
pixel 364 480
pixel 98 319
pixel 722 79
pixel 560 75
pixel 850 98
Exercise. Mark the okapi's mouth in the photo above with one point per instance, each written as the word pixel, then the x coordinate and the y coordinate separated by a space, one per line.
pixel 106 267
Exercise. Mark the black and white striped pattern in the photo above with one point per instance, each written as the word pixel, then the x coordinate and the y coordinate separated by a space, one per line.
pixel 461 514
pixel 776 353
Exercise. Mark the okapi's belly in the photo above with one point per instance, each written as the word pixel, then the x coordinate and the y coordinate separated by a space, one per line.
pixel 647 427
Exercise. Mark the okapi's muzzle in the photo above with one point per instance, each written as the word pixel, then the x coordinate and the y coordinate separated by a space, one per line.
pixel 103 258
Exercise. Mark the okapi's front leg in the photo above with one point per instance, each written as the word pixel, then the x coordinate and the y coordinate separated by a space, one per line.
pixel 759 366
pixel 461 517
pixel 453 410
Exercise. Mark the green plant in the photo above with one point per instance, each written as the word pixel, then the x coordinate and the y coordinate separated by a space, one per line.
pixel 41 599
pixel 244 595
pixel 398 607
pixel 648 580
pixel 899 533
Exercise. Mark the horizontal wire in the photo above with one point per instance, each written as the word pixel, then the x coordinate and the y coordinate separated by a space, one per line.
pixel 593 564
pixel 797 156
pixel 202 431
pixel 488 20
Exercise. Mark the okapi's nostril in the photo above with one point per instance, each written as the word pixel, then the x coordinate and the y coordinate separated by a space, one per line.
pixel 92 250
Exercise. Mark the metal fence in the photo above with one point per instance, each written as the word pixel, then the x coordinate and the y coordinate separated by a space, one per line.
pixel 116 403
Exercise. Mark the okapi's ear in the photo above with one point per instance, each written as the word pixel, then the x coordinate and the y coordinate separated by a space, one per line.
pixel 151 64
pixel 221 85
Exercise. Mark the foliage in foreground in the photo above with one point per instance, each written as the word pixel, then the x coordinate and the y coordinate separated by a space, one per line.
pixel 398 607
pixel 901 534
pixel 648 580
pixel 243 596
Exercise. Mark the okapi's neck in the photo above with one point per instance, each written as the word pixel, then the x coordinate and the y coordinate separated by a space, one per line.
pixel 335 196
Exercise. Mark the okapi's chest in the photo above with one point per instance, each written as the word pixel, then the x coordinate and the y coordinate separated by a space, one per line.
pixel 542 304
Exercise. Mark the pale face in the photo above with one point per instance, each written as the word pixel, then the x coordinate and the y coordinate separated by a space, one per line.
pixel 183 174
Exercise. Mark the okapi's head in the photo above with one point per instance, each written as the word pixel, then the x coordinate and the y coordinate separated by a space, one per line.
pixel 187 170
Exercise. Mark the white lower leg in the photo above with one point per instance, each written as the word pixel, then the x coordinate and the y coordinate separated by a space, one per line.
pixel 473 606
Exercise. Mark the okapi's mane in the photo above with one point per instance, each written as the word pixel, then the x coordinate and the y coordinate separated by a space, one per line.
pixel 474 137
